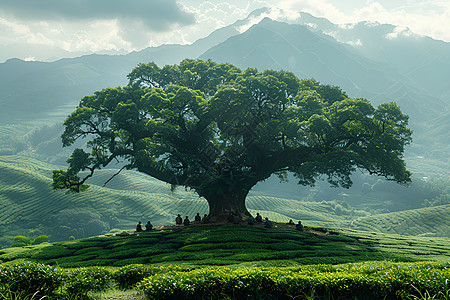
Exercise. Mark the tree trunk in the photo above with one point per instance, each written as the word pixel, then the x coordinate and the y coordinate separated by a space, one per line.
pixel 222 205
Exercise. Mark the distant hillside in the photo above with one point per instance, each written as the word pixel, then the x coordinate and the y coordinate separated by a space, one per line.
pixel 431 221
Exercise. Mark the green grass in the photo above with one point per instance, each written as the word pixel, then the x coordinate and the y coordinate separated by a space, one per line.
pixel 233 244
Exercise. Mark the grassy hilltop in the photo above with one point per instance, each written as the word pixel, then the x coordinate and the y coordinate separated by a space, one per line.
pixel 200 245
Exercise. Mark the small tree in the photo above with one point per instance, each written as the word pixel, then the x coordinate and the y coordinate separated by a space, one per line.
pixel 21 241
pixel 219 130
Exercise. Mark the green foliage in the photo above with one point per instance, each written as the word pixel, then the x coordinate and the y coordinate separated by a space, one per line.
pixel 128 276
pixel 30 277
pixel 81 281
pixel 368 281
pixel 21 241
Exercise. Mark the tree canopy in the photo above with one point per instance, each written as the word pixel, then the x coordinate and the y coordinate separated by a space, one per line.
pixel 219 130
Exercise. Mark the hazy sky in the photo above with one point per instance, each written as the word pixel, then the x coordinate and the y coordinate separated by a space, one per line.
pixel 94 25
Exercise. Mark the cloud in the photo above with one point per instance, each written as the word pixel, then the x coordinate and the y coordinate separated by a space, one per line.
pixel 424 17
pixel 398 32
pixel 319 8
pixel 155 15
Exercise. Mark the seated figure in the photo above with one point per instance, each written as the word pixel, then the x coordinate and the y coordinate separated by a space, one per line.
pixel 178 220
pixel 139 227
pixel 198 218
pixel 148 226
pixel 268 223
pixel 258 218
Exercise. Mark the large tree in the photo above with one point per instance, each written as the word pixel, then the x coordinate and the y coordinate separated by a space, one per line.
pixel 218 130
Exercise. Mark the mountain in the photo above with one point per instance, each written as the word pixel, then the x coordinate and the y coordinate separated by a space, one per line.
pixel 45 92
pixel 275 45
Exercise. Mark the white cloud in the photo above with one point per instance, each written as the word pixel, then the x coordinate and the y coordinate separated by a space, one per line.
pixel 399 31
pixel 356 43
pixel 123 26
pixel 424 17
pixel 320 8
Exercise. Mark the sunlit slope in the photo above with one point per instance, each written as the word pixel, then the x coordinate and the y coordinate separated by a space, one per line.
pixel 27 195
pixel 430 221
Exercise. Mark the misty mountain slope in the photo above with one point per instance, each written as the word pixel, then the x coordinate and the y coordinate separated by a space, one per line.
pixel 172 54
pixel 295 48
pixel 311 53
pixel 271 44
pixel 46 92
pixel 422 60
pixel 33 90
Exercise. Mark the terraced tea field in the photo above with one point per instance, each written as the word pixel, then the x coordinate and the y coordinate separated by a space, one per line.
pixel 200 245
pixel 430 221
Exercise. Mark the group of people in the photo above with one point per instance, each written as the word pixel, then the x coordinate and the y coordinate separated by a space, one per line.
pixel 148 226
pixel 298 226
pixel 187 222
pixel 268 224
pixel 259 219
pixel 197 219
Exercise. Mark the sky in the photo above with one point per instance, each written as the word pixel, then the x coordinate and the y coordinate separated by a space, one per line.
pixel 128 25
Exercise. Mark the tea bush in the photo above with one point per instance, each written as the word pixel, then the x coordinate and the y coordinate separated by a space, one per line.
pixel 80 281
pixel 367 281
pixel 128 276
pixel 29 278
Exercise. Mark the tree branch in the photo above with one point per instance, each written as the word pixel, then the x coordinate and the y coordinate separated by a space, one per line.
pixel 111 178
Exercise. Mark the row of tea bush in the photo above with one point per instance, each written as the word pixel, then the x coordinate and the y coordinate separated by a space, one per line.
pixel 39 280
pixel 369 280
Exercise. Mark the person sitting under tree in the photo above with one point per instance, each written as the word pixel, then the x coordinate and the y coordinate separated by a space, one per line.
pixel 178 220
pixel 186 221
pixel 198 218
pixel 258 218
pixel 268 223
pixel 205 219
pixel 148 226
pixel 299 226
pixel 139 227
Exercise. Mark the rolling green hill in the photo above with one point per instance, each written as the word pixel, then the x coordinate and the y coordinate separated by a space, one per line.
pixel 28 203
pixel 200 245
pixel 430 221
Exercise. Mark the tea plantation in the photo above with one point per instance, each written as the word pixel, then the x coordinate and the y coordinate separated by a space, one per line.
pixel 400 255
pixel 232 261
